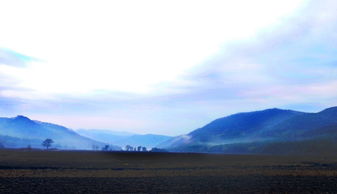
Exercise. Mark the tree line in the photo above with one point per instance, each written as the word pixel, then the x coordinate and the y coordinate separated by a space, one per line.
pixel 47 144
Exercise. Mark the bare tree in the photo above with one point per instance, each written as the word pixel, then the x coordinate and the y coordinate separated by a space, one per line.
pixel 47 143
pixel 106 148
pixel 128 148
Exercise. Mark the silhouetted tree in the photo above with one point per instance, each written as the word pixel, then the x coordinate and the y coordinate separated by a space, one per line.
pixel 106 148
pixel 128 148
pixel 144 149
pixel 1 146
pixel 139 148
pixel 47 143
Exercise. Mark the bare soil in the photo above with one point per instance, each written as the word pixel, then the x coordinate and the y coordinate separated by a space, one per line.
pixel 23 171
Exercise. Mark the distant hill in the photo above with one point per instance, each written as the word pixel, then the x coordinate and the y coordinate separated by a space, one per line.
pixel 101 135
pixel 21 131
pixel 259 131
pixel 147 140
pixel 123 139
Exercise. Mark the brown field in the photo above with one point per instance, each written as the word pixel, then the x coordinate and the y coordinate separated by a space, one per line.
pixel 120 172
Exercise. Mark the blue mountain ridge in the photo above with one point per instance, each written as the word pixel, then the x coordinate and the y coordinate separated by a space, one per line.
pixel 257 130
pixel 21 131
pixel 122 139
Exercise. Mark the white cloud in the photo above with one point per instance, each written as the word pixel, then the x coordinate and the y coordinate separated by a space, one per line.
pixel 127 46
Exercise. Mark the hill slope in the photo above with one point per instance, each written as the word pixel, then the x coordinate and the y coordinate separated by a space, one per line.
pixel 105 136
pixel 123 139
pixel 21 131
pixel 258 131
pixel 147 140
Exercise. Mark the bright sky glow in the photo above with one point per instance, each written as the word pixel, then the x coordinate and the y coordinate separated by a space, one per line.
pixel 165 67
pixel 126 46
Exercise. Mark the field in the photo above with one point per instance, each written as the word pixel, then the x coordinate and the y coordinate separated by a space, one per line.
pixel 23 171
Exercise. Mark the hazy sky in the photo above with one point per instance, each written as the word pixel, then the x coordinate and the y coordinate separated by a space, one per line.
pixel 164 67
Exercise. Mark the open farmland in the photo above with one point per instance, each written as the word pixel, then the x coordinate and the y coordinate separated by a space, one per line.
pixel 131 172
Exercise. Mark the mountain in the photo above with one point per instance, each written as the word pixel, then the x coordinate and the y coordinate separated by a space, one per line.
pixel 234 128
pixel 122 139
pixel 258 131
pixel 147 140
pixel 106 136
pixel 21 131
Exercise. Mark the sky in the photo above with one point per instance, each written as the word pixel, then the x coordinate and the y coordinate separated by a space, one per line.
pixel 164 67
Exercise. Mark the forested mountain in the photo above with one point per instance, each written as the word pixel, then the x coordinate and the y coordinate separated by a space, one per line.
pixel 260 131
pixel 21 131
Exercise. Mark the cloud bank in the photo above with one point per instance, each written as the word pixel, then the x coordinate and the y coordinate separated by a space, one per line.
pixel 193 69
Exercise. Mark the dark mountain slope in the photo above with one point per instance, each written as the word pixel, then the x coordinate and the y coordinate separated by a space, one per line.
pixel 242 124
pixel 25 129
pixel 304 125
pixel 237 127
pixel 260 131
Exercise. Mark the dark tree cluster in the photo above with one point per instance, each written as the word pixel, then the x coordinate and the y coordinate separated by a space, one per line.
pixel 106 148
pixel 47 143
pixel 135 149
